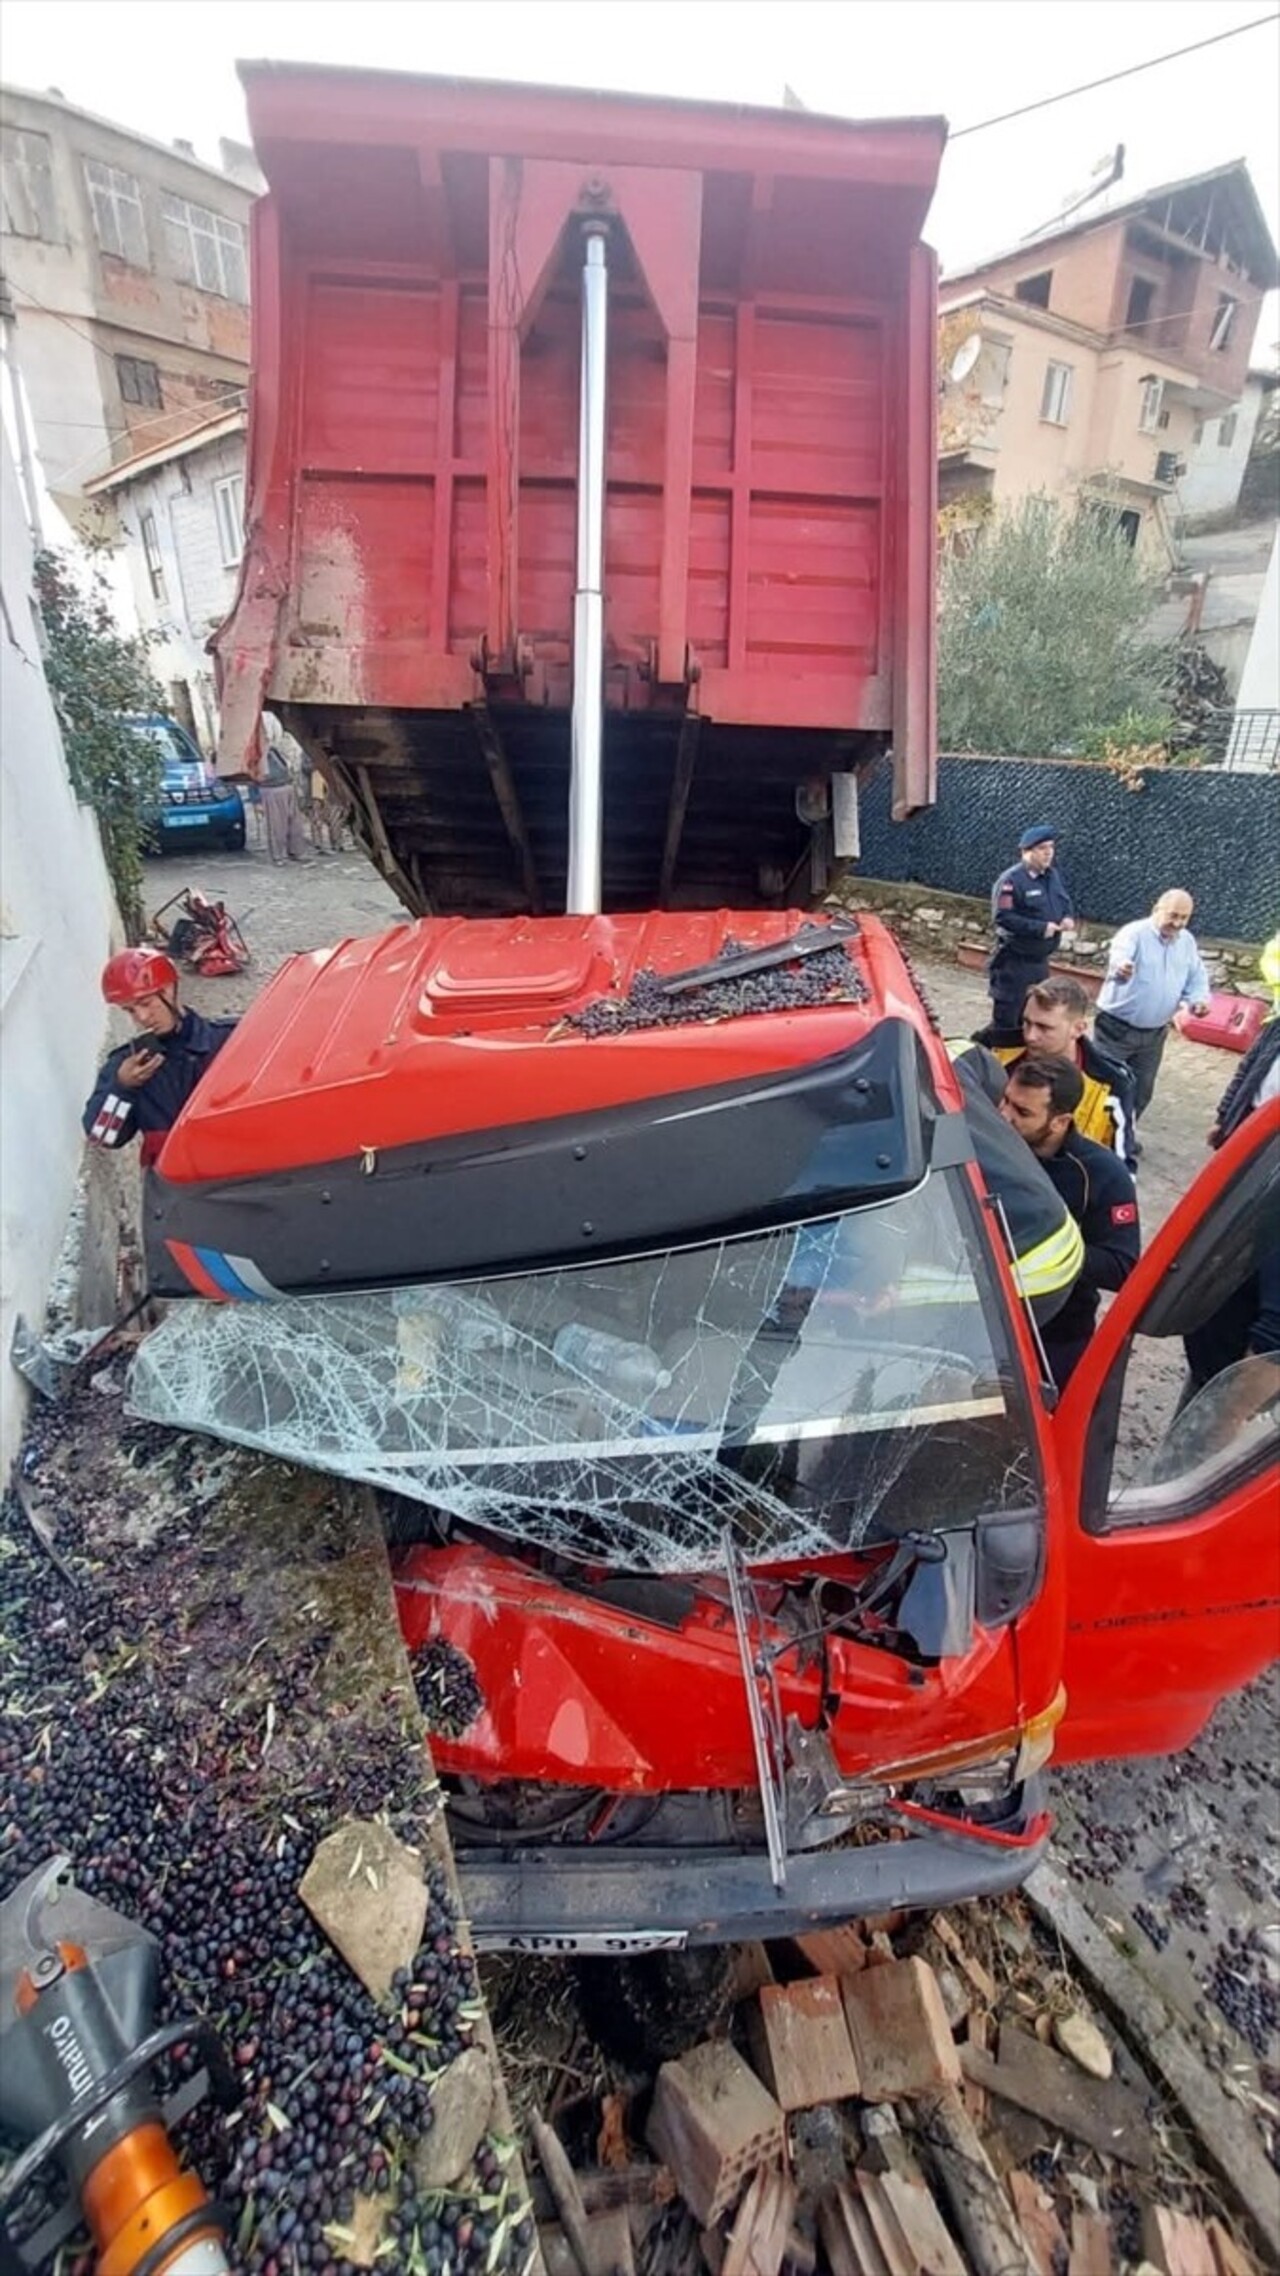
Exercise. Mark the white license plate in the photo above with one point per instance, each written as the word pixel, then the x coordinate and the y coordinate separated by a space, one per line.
pixel 180 820
pixel 634 1940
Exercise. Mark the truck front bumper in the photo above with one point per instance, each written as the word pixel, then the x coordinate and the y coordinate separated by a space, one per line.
pixel 631 1899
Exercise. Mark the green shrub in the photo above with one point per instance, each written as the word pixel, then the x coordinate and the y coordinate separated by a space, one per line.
pixel 1042 639
pixel 96 674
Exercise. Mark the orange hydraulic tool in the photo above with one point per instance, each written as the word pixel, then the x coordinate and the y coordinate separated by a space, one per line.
pixel 78 1990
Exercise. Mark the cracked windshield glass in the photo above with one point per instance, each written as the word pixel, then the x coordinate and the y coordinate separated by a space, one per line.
pixel 814 1387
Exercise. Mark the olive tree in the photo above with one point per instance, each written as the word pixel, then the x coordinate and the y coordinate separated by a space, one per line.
pixel 97 675
pixel 1043 645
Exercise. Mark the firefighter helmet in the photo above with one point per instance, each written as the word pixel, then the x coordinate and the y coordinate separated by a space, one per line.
pixel 136 972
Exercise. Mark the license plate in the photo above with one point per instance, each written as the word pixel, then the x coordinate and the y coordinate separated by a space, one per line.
pixel 554 1945
pixel 180 821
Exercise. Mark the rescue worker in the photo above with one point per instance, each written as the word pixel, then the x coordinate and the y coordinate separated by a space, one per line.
pixel 1030 909
pixel 1256 1079
pixel 1040 1101
pixel 1153 968
pixel 144 1085
pixel 1047 1242
pixel 1055 1021
pixel 1269 967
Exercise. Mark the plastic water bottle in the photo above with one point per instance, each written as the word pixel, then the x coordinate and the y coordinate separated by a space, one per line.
pixel 629 1370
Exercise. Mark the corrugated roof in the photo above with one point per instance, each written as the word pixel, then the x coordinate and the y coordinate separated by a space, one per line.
pixel 213 430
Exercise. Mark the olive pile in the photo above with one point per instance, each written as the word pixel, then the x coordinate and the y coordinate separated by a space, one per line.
pixel 162 1808
pixel 827 977
pixel 448 1693
pixel 1241 1987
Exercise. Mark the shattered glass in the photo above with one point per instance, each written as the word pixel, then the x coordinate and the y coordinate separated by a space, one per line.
pixel 811 1388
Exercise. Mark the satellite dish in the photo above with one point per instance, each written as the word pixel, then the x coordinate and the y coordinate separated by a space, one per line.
pixel 964 359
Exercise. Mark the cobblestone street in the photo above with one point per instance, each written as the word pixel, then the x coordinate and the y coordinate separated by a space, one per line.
pixel 1180 1851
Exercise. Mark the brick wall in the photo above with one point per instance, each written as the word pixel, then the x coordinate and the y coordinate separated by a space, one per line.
pixel 1216 834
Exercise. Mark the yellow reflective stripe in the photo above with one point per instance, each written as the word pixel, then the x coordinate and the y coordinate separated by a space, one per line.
pixel 1052 1264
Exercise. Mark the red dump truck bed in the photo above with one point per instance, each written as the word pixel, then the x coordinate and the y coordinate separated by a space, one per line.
pixel 407 596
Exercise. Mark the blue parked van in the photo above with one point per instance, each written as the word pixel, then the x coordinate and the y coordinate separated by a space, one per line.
pixel 196 807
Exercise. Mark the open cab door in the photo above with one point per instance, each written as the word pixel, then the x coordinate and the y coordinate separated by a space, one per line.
pixel 1173 1526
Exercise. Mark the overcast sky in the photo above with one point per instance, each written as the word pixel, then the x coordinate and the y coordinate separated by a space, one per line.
pixel 167 68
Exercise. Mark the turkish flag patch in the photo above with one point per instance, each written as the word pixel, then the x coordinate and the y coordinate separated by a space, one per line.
pixel 1125 1213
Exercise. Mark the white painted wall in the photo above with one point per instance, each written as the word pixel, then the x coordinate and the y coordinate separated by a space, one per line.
pixel 1255 742
pixel 56 919
pixel 1215 471
pixel 199 584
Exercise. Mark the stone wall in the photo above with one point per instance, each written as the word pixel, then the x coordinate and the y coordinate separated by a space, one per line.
pixel 957 927
pixel 1216 834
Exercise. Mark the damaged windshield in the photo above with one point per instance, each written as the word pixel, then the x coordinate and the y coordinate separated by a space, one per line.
pixel 815 1387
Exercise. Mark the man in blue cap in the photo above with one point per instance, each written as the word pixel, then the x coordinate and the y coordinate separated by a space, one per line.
pixel 1030 909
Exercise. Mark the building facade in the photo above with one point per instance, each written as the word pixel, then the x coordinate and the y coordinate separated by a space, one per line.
pixel 179 511
pixel 1220 449
pixel 1088 359
pixel 126 271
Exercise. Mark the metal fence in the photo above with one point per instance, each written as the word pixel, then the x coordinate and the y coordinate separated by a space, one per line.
pixel 1253 745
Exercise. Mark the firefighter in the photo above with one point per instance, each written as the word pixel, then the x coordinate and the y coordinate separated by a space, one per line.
pixel 1030 909
pixel 1055 1019
pixel 1040 1101
pixel 1047 1243
pixel 142 1087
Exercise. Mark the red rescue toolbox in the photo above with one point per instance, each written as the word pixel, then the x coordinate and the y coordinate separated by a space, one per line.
pixel 639 1248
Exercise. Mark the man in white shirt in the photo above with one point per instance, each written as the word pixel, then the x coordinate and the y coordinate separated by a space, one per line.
pixel 1153 968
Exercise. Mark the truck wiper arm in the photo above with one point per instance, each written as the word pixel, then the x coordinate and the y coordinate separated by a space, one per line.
pixel 810 940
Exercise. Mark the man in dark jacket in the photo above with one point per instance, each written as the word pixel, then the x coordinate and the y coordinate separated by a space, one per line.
pixel 1055 1020
pixel 1256 1079
pixel 142 1087
pixel 1030 909
pixel 1040 1100
pixel 1247 1322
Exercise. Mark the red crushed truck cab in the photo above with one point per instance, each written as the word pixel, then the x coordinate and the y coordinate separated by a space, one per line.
pixel 640 1258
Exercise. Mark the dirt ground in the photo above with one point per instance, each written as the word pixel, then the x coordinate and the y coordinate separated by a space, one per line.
pixel 1181 1851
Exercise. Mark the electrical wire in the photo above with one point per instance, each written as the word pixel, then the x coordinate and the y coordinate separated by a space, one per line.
pixel 235 399
pixel 1088 86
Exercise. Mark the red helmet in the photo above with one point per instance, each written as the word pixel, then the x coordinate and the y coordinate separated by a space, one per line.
pixel 136 972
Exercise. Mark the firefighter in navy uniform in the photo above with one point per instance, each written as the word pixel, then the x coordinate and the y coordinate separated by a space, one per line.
pixel 1030 909
pixel 1040 1100
pixel 143 1087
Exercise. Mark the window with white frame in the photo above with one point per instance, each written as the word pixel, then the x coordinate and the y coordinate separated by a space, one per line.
pixel 228 505
pixel 1055 398
pixel 150 536
pixel 1227 431
pixel 29 206
pixel 1152 405
pixel 117 212
pixel 206 249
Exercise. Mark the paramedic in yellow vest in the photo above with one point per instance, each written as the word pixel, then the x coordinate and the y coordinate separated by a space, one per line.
pixel 1269 966
pixel 1055 1020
